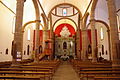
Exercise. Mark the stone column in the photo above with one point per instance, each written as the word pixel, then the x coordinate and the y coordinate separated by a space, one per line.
pixel 18 35
pixel 93 37
pixel 114 38
pixel 51 38
pixel 78 44
pixel 52 43
pixel 78 51
pixel 84 54
pixel 37 42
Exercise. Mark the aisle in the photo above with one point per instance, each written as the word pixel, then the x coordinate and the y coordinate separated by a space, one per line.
pixel 65 72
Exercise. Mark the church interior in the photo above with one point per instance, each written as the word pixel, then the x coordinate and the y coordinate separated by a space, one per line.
pixel 60 40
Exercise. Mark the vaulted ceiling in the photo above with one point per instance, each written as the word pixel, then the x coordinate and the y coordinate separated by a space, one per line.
pixel 80 4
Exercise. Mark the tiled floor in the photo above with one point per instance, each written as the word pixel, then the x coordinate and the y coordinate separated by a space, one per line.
pixel 65 72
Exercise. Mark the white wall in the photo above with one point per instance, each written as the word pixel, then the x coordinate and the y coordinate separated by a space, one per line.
pixel 6 36
pixel 27 42
pixel 29 12
pixel 7 25
pixel 104 42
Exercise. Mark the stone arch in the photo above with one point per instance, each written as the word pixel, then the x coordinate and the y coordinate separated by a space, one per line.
pixel 64 4
pixel 85 19
pixel 36 9
pixel 103 23
pixel 108 33
pixel 106 25
pixel 44 20
pixel 94 5
pixel 64 18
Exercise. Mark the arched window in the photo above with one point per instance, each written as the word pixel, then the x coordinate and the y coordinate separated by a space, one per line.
pixel 6 51
pixel 40 49
pixel 101 33
pixel 28 35
pixel 118 22
pixel 102 49
pixel 24 52
pixel 28 50
pixel 64 12
pixel 89 49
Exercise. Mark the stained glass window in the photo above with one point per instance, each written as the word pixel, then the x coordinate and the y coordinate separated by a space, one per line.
pixel 64 12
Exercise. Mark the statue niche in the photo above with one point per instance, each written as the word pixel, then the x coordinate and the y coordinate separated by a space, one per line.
pixel 64 45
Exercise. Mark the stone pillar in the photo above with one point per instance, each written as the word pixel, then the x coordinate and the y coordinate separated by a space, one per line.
pixel 18 35
pixel 114 38
pixel 51 38
pixel 78 44
pixel 93 37
pixel 78 51
pixel 52 43
pixel 84 54
pixel 37 42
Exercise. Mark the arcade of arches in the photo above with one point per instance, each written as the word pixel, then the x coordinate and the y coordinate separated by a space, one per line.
pixel 85 30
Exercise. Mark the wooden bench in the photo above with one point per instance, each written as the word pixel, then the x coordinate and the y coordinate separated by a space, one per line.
pixel 99 69
pixel 100 77
pixel 39 67
pixel 26 69
pixel 98 73
pixel 107 77
pixel 5 64
pixel 27 73
pixel 30 71
pixel 22 77
pixel 43 63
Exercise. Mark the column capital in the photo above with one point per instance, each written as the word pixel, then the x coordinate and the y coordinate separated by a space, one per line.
pixel 84 29
pixel 92 20
pixel 21 0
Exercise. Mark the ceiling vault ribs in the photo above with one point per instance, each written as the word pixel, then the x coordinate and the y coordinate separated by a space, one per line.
pixel 87 9
pixel 42 9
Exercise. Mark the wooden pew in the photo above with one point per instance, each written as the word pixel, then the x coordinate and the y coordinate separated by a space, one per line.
pixel 54 64
pixel 100 72
pixel 25 69
pixel 96 71
pixel 5 64
pixel 83 67
pixel 99 69
pixel 100 77
pixel 107 78
pixel 39 67
pixel 90 74
pixel 38 77
pixel 26 73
